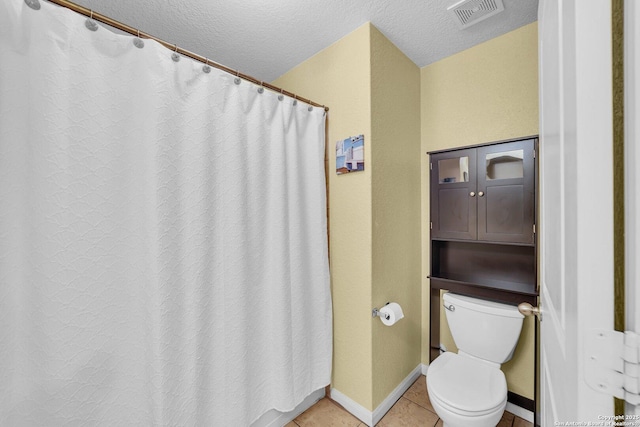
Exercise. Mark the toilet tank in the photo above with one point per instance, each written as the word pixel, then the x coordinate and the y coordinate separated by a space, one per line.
pixel 485 329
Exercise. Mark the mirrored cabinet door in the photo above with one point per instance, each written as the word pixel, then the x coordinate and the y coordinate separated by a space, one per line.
pixel 504 165
pixel 453 170
pixel 453 185
pixel 506 192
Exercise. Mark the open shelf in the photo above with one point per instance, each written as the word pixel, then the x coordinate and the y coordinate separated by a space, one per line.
pixel 484 269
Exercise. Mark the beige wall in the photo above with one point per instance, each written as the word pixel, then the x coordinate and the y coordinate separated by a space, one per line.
pixel 371 88
pixel 486 93
pixel 395 165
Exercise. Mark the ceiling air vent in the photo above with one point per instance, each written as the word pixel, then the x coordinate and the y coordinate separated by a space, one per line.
pixel 469 12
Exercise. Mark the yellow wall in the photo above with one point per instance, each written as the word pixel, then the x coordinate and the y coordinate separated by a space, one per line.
pixel 486 93
pixel 395 166
pixel 371 88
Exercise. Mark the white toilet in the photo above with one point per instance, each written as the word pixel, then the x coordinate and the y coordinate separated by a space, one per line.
pixel 468 389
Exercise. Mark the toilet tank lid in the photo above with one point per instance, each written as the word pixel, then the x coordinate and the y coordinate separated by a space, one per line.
pixel 482 306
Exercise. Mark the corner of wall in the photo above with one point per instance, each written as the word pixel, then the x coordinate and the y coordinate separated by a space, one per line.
pixel 377 251
pixel 395 162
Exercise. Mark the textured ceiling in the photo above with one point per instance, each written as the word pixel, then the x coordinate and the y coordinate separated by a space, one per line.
pixel 266 38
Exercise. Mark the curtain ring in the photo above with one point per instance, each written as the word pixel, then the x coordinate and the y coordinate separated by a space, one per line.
pixel 237 80
pixel 206 68
pixel 137 42
pixel 295 99
pixel 261 88
pixel 175 56
pixel 90 23
pixel 281 96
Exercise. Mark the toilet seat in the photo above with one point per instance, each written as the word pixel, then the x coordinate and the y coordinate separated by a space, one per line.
pixel 466 386
pixel 461 412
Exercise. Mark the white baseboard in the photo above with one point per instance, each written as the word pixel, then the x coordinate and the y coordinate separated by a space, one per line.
pixel 372 418
pixel 424 369
pixel 353 407
pixel 396 394
pixel 275 418
pixel 518 411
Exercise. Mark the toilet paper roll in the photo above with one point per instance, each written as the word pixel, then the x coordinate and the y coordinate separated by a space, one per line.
pixel 391 313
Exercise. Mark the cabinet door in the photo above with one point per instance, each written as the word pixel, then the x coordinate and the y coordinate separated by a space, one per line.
pixel 453 195
pixel 506 192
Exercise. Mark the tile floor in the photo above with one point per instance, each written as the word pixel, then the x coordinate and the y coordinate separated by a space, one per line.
pixel 412 410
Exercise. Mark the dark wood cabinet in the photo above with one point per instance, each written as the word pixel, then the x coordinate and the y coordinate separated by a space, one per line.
pixel 485 193
pixel 483 211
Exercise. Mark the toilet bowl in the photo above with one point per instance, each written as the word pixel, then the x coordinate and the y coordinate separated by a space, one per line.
pixel 466 392
pixel 468 389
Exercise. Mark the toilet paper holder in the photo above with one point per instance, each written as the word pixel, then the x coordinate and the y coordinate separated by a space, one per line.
pixel 376 312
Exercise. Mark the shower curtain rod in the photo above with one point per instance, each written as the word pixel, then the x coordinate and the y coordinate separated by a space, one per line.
pixel 133 31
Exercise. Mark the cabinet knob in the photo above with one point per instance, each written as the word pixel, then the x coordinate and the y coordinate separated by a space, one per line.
pixel 472 194
pixel 481 193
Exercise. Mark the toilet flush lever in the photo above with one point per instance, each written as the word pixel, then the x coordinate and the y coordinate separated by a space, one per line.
pixel 528 310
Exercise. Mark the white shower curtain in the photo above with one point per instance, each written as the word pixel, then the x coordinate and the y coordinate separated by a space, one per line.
pixel 163 248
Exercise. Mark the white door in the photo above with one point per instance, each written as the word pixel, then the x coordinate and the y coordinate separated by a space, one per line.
pixel 632 160
pixel 576 201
